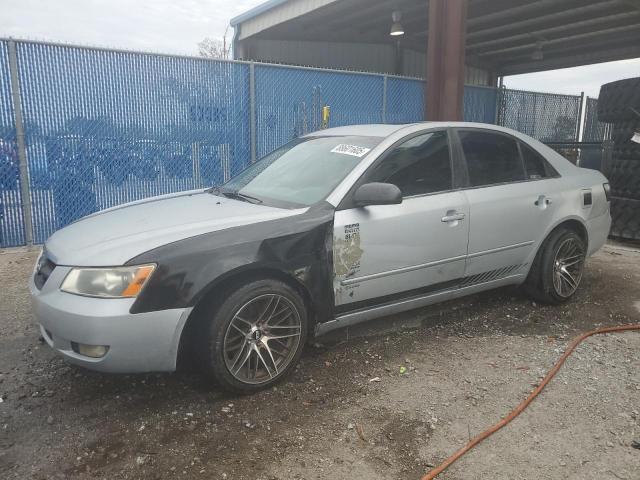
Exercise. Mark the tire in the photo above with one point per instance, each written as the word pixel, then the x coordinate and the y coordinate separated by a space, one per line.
pixel 623 146
pixel 624 178
pixel 625 218
pixel 231 358
pixel 545 284
pixel 615 99
pixel 623 131
pixel 629 152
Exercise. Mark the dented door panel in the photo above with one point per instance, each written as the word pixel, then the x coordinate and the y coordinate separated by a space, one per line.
pixel 390 249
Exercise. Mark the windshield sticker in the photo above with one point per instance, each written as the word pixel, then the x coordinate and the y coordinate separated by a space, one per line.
pixel 636 137
pixel 352 150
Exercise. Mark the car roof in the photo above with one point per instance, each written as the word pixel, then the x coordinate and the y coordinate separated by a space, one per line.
pixel 384 130
pixel 369 130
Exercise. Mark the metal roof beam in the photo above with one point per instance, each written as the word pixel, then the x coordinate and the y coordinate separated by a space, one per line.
pixel 578 39
pixel 486 7
pixel 334 21
pixel 281 12
pixel 564 30
pixel 575 60
pixel 407 13
pixel 529 9
pixel 322 17
pixel 634 3
pixel 583 46
pixel 536 20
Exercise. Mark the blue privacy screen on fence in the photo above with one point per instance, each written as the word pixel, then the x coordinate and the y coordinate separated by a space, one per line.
pixel 11 220
pixel 405 100
pixel 105 127
pixel 289 102
pixel 480 104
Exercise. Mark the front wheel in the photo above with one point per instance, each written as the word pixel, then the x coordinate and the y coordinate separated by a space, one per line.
pixel 254 338
pixel 557 269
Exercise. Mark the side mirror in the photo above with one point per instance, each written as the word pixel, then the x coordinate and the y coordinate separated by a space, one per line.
pixel 377 194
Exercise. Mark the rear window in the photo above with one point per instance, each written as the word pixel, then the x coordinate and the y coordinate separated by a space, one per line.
pixel 535 164
pixel 491 158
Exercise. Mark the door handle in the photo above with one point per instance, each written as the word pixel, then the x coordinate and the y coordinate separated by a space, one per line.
pixel 452 216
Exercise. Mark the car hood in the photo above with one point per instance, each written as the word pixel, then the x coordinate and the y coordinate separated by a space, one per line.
pixel 113 236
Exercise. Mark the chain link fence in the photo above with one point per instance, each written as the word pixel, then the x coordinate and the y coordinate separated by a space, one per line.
pixel 547 117
pixel 289 102
pixel 480 104
pixel 404 100
pixel 105 127
pixel 594 130
pixel 11 216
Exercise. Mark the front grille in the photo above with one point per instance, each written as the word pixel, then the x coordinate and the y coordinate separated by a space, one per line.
pixel 43 271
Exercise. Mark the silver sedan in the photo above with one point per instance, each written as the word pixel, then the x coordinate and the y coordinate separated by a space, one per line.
pixel 334 228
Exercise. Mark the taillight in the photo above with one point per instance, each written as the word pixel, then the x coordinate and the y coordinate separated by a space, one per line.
pixel 607 191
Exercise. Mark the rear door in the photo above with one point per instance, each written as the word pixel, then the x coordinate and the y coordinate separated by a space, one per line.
pixel 510 200
pixel 385 252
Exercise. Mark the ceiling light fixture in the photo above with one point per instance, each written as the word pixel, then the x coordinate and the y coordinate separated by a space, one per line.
pixel 396 26
pixel 537 54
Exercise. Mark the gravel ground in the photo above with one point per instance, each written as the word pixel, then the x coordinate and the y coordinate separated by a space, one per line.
pixel 348 411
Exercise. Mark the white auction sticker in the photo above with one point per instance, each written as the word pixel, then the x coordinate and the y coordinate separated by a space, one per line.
pixel 636 137
pixel 352 150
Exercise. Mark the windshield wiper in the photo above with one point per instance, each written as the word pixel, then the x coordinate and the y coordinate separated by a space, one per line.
pixel 241 196
pixel 236 195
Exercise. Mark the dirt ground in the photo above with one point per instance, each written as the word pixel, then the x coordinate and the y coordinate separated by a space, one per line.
pixel 348 412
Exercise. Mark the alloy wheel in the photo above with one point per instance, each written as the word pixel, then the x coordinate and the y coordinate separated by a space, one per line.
pixel 262 339
pixel 567 267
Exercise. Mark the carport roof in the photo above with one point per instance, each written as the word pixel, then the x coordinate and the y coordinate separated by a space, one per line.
pixel 502 35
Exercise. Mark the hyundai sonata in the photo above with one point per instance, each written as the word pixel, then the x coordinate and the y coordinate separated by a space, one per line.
pixel 334 228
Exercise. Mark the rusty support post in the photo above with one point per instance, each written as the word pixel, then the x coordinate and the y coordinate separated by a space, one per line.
pixel 445 59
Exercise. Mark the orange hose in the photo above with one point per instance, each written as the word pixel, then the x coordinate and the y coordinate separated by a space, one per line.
pixel 525 403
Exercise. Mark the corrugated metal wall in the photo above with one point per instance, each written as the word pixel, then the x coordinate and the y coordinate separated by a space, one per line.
pixel 364 57
pixel 341 56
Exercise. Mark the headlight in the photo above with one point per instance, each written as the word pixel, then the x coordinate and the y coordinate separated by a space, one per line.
pixel 114 282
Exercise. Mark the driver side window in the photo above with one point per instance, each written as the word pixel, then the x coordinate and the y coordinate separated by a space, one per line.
pixel 419 166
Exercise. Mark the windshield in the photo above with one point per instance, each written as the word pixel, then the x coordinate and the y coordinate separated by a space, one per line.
pixel 302 172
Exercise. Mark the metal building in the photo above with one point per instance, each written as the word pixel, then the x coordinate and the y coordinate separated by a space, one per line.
pixel 449 42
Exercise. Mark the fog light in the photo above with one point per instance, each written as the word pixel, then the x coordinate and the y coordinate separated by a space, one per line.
pixel 93 351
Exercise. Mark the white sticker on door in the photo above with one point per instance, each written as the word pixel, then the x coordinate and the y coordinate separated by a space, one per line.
pixel 353 150
pixel 636 137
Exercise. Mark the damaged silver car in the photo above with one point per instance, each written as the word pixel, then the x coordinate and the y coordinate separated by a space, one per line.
pixel 334 228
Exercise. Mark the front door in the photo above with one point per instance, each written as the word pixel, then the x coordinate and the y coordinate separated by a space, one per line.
pixel 386 252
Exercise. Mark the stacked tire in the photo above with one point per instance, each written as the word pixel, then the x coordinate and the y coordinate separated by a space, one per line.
pixel 619 104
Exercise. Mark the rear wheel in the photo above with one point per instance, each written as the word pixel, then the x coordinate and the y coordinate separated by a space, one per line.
pixel 557 270
pixel 254 338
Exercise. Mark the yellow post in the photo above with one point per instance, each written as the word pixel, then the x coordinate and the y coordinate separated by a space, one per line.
pixel 326 115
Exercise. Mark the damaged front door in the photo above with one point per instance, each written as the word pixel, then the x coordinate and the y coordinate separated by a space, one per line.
pixel 386 252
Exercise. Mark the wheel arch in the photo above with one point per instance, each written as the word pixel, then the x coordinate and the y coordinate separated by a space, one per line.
pixel 575 224
pixel 216 290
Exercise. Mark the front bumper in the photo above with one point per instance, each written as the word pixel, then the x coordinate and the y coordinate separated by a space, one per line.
pixel 142 342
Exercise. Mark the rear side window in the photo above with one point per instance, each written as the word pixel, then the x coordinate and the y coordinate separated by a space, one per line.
pixel 418 166
pixel 491 158
pixel 535 164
